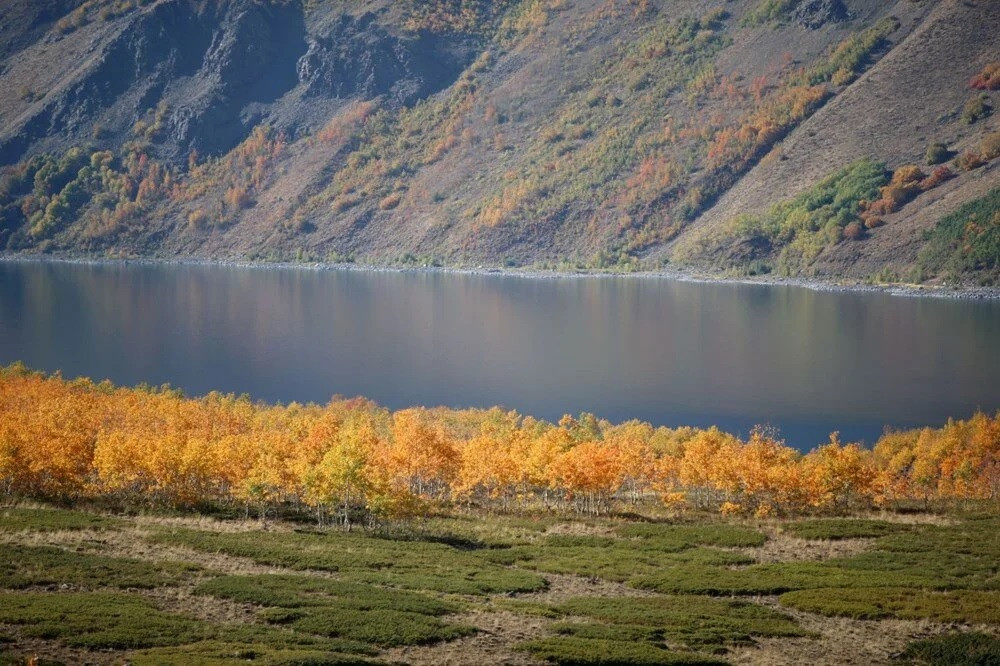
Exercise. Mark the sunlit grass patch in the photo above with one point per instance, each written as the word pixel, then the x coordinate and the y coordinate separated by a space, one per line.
pixel 382 627
pixel 608 632
pixel 487 531
pixel 123 621
pixel 770 579
pixel 364 558
pixel 656 630
pixel 30 566
pixel 971 649
pixel 294 591
pixel 353 611
pixel 977 536
pixel 842 528
pixel 98 620
pixel 284 638
pixel 971 606
pixel 680 537
pixel 17 519
pixel 219 653
pixel 926 556
pixel 637 549
pixel 576 651
pixel 612 559
pixel 692 621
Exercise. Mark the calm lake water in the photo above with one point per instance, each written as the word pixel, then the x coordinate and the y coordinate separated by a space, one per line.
pixel 668 352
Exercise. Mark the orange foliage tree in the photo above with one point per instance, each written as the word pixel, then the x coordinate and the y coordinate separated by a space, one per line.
pixel 351 461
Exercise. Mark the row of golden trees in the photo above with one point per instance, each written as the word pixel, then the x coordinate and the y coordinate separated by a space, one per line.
pixel 350 458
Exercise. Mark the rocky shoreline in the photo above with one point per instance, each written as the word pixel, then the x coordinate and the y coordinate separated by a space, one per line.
pixel 679 275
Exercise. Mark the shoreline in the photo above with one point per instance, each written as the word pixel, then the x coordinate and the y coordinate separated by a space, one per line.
pixel 676 275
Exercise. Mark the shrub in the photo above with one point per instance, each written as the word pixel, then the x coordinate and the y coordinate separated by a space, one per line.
pixel 51 520
pixel 955 649
pixel 390 202
pixel 975 109
pixel 841 528
pixel 34 566
pixel 989 147
pixel 842 77
pixel 902 603
pixel 988 78
pixel 299 591
pixel 938 176
pixel 854 231
pixel 906 175
pixel 968 161
pixel 803 226
pixel 967 240
pixel 770 11
pixel 98 620
pixel 238 198
pixel 197 219
pixel 342 203
pixel 936 153
pixel 579 651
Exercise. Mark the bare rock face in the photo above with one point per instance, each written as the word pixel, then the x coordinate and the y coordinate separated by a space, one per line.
pixel 357 57
pixel 249 59
pixel 213 71
pixel 814 14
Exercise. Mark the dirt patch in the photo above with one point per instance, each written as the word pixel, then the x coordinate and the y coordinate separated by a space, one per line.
pixel 209 524
pixel 206 608
pixel 563 587
pixel 580 529
pixel 838 641
pixel 781 547
pixel 133 544
pixel 499 632
pixel 53 651
pixel 912 518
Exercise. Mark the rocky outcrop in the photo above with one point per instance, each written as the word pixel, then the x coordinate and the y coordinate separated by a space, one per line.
pixel 814 14
pixel 215 71
pixel 357 57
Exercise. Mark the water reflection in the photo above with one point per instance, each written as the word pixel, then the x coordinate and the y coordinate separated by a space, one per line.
pixel 668 352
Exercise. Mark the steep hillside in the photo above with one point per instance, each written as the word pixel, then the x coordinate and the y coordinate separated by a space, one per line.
pixel 740 136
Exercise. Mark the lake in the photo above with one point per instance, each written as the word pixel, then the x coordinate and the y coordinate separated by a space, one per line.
pixel 669 352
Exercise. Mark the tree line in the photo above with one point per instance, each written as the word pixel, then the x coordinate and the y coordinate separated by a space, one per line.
pixel 352 460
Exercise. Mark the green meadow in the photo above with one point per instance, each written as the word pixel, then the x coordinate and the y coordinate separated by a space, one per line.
pixel 82 587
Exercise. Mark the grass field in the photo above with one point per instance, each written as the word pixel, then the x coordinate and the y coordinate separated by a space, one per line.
pixel 78 587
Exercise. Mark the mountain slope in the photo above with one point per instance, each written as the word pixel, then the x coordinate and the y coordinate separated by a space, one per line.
pixel 594 133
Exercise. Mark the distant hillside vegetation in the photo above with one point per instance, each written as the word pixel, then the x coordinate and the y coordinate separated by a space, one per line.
pixel 836 139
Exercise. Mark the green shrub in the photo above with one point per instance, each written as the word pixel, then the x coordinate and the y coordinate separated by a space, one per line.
pixel 801 227
pixel 97 620
pixel 841 528
pixel 573 651
pixel 972 649
pixel 367 559
pixel 687 536
pixel 222 652
pixel 51 520
pixel 695 622
pixel 968 606
pixel 618 561
pixel 936 154
pixel 966 242
pixel 769 11
pixel 385 628
pixel 295 591
pixel 976 108
pixel 32 566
